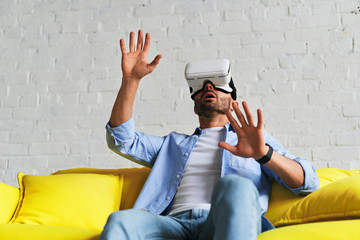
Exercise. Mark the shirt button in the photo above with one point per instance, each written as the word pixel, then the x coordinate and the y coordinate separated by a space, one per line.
pixel 178 176
pixel 168 198
pixel 186 154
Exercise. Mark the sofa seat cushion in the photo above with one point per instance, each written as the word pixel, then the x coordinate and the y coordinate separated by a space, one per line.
pixel 334 230
pixel 74 200
pixel 46 232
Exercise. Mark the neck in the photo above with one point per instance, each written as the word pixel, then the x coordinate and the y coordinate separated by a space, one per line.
pixel 218 121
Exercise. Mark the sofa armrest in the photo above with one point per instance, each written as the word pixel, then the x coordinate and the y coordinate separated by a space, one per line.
pixel 9 198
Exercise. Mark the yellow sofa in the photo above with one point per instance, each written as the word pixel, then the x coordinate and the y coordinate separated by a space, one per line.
pixel 74 204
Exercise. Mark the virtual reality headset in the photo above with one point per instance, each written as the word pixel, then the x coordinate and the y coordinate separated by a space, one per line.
pixel 217 72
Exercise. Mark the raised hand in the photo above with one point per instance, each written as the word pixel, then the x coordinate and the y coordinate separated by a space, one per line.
pixel 251 142
pixel 134 66
pixel 134 63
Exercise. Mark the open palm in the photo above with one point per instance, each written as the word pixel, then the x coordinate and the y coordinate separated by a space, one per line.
pixel 251 142
pixel 134 63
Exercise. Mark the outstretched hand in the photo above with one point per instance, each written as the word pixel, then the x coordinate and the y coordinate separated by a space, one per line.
pixel 134 63
pixel 251 142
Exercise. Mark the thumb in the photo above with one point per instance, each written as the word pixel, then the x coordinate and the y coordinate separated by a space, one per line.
pixel 227 146
pixel 155 62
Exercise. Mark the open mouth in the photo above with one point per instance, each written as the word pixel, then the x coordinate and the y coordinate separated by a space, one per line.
pixel 209 96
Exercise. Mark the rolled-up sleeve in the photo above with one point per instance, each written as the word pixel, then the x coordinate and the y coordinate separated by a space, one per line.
pixel 311 181
pixel 135 146
pixel 118 135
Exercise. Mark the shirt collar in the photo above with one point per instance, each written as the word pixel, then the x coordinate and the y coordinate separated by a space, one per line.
pixel 228 127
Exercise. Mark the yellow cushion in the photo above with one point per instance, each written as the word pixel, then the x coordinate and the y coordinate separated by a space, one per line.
pixel 330 175
pixel 338 198
pixel 134 179
pixel 8 201
pixel 336 230
pixel 76 200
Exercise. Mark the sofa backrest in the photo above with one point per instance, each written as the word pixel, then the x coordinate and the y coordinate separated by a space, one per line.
pixel 134 180
pixel 284 207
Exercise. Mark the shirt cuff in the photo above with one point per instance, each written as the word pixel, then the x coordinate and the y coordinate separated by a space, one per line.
pixel 311 179
pixel 123 132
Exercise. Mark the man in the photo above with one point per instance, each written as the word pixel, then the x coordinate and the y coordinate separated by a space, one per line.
pixel 214 184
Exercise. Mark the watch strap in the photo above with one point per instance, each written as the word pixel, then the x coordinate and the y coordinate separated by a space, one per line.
pixel 267 157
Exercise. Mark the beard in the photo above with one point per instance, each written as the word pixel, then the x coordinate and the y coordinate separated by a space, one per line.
pixel 211 109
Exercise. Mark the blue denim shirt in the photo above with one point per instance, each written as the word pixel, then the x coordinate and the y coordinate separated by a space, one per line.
pixel 167 156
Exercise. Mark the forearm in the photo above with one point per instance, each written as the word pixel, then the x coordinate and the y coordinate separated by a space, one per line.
pixel 290 171
pixel 123 107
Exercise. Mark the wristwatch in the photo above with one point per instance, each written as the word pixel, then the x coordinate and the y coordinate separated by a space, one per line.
pixel 267 157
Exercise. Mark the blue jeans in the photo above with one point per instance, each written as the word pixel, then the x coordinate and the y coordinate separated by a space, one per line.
pixel 235 214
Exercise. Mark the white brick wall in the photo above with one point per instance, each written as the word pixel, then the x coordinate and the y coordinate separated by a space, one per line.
pixel 60 72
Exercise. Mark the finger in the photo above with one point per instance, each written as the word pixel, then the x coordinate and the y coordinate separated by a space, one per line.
pixel 147 42
pixel 155 62
pixel 239 115
pixel 248 114
pixel 132 42
pixel 140 40
pixel 233 122
pixel 227 146
pixel 260 119
pixel 122 46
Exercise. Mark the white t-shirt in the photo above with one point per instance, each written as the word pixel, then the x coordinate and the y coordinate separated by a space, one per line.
pixel 202 171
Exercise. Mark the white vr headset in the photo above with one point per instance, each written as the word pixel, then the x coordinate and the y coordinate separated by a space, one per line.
pixel 217 72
